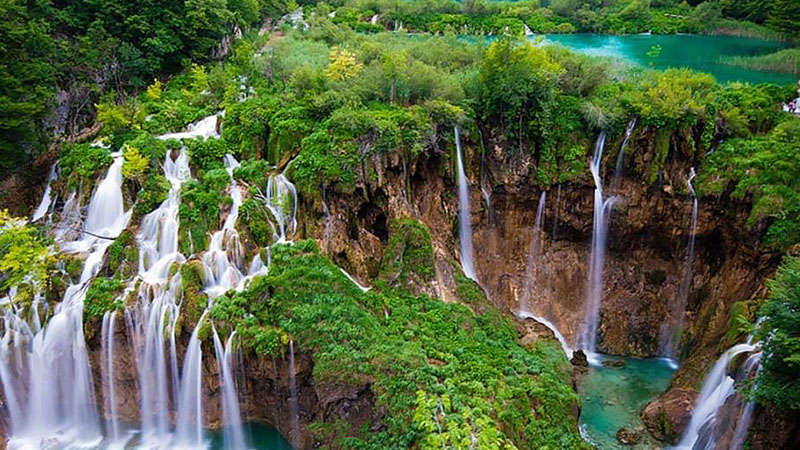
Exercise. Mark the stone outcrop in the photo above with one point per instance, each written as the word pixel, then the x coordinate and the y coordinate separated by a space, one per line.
pixel 667 417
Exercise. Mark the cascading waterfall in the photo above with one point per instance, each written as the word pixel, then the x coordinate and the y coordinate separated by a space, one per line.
pixel 233 434
pixel 587 339
pixel 464 217
pixel 532 269
pixel 560 337
pixel 717 387
pixel 281 191
pixel 45 371
pixel 225 256
pixel 750 368
pixel 47 201
pixel 668 341
pixel 621 155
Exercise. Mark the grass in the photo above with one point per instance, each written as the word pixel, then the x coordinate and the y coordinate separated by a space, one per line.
pixel 783 61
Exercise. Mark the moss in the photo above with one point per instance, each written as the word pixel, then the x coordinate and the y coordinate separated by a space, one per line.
pixel 408 256
pixel 123 256
pixel 102 296
pixel 194 300
pixel 742 316
pixel 467 290
pixel 660 153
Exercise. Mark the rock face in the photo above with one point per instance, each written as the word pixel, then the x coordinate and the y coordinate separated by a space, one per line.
pixel 667 417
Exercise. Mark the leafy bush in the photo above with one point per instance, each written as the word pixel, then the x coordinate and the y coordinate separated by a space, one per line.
pixel 779 378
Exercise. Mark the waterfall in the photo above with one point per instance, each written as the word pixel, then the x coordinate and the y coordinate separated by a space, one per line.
pixel 528 31
pixel 621 155
pixel 225 255
pixel 107 371
pixel 750 369
pixel 532 270
pixel 717 387
pixel 281 191
pixel 47 201
pixel 560 337
pixel 294 408
pixel 189 430
pixel 233 434
pixel 204 128
pixel 45 370
pixel 464 217
pixel 667 342
pixel 374 20
pixel 602 209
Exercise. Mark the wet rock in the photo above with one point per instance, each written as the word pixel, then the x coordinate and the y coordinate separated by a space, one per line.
pixel 629 436
pixel 667 416
pixel 614 363
pixel 579 359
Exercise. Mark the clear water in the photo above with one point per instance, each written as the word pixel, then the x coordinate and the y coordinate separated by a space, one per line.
pixel 702 53
pixel 612 398
pixel 260 437
pixel 263 437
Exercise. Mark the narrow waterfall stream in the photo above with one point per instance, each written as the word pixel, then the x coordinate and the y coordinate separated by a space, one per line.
pixel 464 216
pixel 534 254
pixel 670 335
pixel 587 339
pixel 47 201
pixel 618 168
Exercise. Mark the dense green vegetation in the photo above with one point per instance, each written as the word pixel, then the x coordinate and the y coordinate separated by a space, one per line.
pixel 777 382
pixel 443 373
pixel 739 17
pixel 335 100
pixel 59 58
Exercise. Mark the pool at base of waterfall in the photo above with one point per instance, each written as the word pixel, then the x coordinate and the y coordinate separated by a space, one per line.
pixel 259 437
pixel 612 397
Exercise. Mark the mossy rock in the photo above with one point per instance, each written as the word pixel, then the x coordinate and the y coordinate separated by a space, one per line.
pixel 123 256
pixel 195 301
pixel 408 258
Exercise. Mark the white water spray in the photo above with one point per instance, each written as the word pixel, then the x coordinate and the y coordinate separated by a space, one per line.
pixel 717 387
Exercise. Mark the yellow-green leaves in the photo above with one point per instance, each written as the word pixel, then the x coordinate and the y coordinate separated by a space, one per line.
pixel 134 164
pixel 23 253
pixel 343 65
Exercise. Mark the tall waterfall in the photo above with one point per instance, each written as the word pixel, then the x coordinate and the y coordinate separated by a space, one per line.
pixel 189 433
pixel 668 341
pixel 464 217
pixel 717 387
pixel 532 269
pixel 233 434
pixel 602 209
pixel 45 370
pixel 107 370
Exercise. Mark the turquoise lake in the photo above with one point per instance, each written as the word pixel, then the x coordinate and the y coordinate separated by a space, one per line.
pixel 701 53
